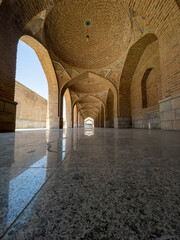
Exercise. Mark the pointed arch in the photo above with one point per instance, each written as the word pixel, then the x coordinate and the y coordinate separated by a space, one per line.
pixel 45 60
pixel 132 60
pixel 101 110
pixel 108 83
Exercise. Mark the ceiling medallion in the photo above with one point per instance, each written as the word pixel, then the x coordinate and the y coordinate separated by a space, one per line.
pixel 88 23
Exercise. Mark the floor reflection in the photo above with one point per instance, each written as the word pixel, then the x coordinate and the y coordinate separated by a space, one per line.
pixel 92 174
pixel 88 131
pixel 64 143
pixel 20 195
pixel 27 159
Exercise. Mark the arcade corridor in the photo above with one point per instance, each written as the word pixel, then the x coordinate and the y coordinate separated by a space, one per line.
pixel 69 184
pixel 105 163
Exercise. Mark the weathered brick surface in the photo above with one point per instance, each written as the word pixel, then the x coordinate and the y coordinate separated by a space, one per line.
pixel 31 107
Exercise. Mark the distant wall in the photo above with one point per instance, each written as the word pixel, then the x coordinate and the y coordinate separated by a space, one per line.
pixel 31 108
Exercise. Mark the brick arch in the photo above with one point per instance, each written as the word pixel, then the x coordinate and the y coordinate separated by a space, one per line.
pixel 93 97
pixel 146 88
pixel 45 60
pixel 109 83
pixel 102 105
pixel 89 119
pixel 90 113
pixel 135 53
pixel 90 108
pixel 88 75
pixel 85 110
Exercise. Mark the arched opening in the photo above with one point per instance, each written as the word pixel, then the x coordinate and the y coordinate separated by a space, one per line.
pixel 64 113
pixel 91 91
pixel 80 119
pixel 89 126
pixel 91 105
pixel 89 122
pixel 67 109
pixel 109 121
pixel 102 116
pixel 146 89
pixel 75 117
pixel 140 84
pixel 149 89
pixel 31 90
pixel 132 60
pixel 52 118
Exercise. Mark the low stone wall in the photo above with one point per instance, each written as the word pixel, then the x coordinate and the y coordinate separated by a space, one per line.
pixel 170 113
pixel 148 120
pixel 7 115
pixel 122 122
pixel 21 124
pixel 109 124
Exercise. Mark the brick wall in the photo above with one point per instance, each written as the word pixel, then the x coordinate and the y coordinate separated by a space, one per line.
pixel 31 108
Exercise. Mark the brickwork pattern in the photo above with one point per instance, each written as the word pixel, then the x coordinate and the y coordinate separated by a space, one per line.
pixel 31 108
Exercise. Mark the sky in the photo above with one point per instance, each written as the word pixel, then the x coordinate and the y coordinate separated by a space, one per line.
pixel 29 71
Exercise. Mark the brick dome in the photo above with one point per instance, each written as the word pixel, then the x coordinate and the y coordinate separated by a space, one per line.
pixel 70 24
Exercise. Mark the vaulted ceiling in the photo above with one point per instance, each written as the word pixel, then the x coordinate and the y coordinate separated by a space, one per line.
pixel 87 37
pixel 87 34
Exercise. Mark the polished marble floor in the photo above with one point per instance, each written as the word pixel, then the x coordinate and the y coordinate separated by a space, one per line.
pixel 90 184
